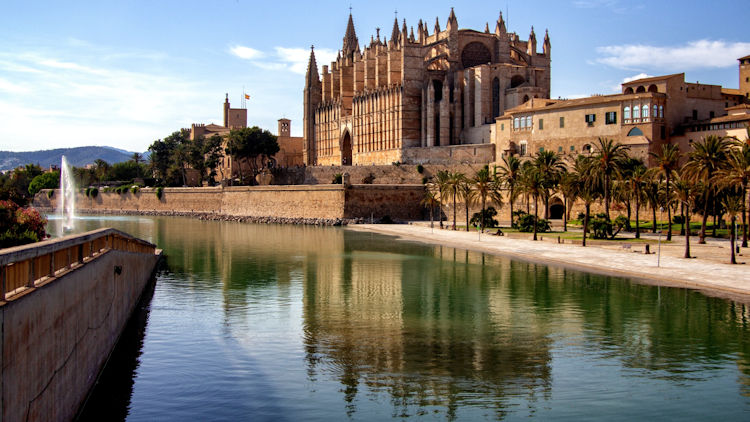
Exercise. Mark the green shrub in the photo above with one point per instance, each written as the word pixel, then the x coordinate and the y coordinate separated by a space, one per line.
pixel 159 192
pixel 526 224
pixel 134 189
pixel 94 192
pixel 517 214
pixel 44 181
pixel 600 226
pixel 50 193
pixel 677 219
pixel 420 168
pixel 425 180
pixel 487 215
pixel 19 226
pixel 337 179
pixel 581 217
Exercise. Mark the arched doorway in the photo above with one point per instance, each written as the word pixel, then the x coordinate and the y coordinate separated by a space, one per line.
pixel 346 149
pixel 556 209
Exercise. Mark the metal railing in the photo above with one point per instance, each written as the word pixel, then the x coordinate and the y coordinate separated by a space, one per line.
pixel 25 267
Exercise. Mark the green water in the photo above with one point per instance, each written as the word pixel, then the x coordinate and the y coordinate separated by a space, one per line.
pixel 266 322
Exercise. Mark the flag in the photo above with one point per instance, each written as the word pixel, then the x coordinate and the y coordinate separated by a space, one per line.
pixel 247 96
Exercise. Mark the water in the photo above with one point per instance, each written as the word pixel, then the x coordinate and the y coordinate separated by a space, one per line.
pixel 66 207
pixel 264 322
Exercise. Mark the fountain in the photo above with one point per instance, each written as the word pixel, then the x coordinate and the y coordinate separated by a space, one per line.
pixel 66 205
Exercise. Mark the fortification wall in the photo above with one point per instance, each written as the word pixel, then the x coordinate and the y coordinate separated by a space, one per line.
pixel 285 203
pixel 57 336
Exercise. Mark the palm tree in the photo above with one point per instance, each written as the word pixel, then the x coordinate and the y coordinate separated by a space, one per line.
pixel 732 203
pixel 587 188
pixel 466 193
pixel 486 187
pixel 667 161
pixel 569 189
pixel 534 186
pixel 510 174
pixel 455 180
pixel 685 191
pixel 705 160
pixel 651 191
pixel 737 173
pixel 430 200
pixel 137 157
pixel 549 165
pixel 441 183
pixel 625 191
pixel 636 180
pixel 608 161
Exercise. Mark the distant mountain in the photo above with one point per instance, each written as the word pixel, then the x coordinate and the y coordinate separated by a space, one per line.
pixel 78 157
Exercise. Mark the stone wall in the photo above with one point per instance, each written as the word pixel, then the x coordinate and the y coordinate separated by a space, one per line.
pixel 389 174
pixel 284 203
pixel 57 336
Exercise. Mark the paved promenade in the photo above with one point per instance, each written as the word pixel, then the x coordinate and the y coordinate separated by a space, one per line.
pixel 710 271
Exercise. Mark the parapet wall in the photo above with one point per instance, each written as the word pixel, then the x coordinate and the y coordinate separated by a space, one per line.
pixel 286 203
pixel 60 327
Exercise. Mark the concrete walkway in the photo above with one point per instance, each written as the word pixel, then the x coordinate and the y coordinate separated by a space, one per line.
pixel 709 272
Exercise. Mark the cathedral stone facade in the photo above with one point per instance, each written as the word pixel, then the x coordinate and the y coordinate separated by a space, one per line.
pixel 419 94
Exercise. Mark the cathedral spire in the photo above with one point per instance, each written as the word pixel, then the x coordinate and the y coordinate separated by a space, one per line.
pixel 351 43
pixel 395 32
pixel 546 47
pixel 531 45
pixel 312 69
pixel 437 25
pixel 452 22
pixel 500 27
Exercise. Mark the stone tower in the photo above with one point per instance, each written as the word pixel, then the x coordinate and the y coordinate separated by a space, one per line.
pixel 745 77
pixel 285 128
pixel 312 98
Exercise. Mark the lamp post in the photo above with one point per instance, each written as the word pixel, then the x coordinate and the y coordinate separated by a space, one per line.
pixel 658 253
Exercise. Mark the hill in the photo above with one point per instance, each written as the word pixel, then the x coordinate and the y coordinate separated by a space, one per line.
pixel 79 156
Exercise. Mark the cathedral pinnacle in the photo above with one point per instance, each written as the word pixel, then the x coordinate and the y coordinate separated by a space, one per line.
pixel 452 21
pixel 312 69
pixel 395 32
pixel 500 27
pixel 351 43
pixel 437 25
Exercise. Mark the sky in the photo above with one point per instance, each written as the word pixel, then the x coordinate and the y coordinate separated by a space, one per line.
pixel 125 73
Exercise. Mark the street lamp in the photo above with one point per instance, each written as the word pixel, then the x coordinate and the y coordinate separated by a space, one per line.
pixel 658 254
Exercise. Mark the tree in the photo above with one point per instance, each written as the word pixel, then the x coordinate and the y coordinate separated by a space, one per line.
pixel 667 162
pixel 487 187
pixel 15 185
pixel 441 183
pixel 626 187
pixel 733 205
pixel 430 200
pixel 637 179
pixel 705 160
pixel 101 168
pixel 685 192
pixel 213 153
pixel 588 187
pixel 137 157
pixel 737 173
pixel 569 189
pixel 534 184
pixel 49 180
pixel 550 168
pixel 455 180
pixel 607 163
pixel 251 144
pixel 509 176
pixel 468 195
pixel 19 226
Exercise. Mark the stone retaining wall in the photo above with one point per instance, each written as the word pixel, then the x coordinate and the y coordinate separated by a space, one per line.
pixel 302 204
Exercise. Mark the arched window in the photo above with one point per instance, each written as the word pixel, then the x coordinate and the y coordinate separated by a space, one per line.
pixel 525 98
pixel 656 111
pixel 652 88
pixel 640 89
pixel 645 111
pixel 626 113
pixel 523 122
pixel 515 123
pixel 661 111
pixel 586 148
pixel 628 90
pixel 635 132
pixel 636 112
pixel 528 121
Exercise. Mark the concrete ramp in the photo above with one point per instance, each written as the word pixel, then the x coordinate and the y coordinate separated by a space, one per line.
pixel 63 305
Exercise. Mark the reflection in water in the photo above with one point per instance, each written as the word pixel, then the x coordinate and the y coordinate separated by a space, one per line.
pixel 282 322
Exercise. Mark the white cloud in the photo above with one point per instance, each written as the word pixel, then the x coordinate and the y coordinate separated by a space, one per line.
pixel 590 4
pixel 60 99
pixel 246 52
pixel 700 54
pixel 297 58
pixel 618 87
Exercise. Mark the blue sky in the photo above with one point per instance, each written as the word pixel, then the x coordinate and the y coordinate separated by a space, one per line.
pixel 124 73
